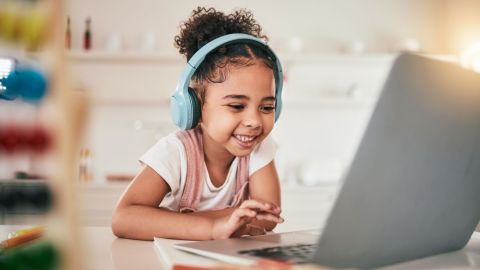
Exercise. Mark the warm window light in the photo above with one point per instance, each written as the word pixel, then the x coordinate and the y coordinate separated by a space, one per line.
pixel 476 65
pixel 470 58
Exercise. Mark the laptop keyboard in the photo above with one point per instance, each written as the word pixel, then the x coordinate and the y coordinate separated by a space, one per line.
pixel 295 253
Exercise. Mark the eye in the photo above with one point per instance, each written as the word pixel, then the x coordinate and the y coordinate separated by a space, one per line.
pixel 267 108
pixel 236 107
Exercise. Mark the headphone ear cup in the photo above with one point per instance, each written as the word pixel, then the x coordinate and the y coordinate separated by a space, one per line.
pixel 196 107
pixel 278 105
pixel 178 110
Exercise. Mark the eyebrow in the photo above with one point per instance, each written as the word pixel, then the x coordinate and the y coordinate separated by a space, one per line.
pixel 269 98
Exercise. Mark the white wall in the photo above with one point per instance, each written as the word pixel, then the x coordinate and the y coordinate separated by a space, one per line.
pixel 324 25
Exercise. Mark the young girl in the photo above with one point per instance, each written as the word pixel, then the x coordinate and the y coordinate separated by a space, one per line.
pixel 217 180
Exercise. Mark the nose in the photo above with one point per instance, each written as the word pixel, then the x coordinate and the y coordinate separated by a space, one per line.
pixel 252 119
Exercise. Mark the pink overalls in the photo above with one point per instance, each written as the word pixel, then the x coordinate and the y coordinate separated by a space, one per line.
pixel 192 141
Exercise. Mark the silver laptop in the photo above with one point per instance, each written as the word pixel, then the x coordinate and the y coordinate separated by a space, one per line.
pixel 413 188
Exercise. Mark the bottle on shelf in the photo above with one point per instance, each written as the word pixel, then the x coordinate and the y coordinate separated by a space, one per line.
pixel 87 36
pixel 85 172
pixel 68 35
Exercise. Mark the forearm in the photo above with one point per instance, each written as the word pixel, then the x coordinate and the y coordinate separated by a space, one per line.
pixel 145 222
pixel 267 225
pixel 213 213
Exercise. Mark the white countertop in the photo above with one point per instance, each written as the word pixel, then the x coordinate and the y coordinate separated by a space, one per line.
pixel 104 251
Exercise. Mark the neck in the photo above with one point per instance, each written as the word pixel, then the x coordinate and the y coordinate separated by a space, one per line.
pixel 216 154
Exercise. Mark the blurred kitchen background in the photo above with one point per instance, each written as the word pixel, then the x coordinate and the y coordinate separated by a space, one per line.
pixel 336 55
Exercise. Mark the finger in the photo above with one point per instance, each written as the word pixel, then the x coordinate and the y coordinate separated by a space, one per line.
pixel 269 217
pixel 272 208
pixel 242 213
pixel 253 204
pixel 276 209
pixel 262 206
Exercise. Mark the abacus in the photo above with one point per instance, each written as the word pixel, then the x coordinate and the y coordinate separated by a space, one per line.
pixel 41 119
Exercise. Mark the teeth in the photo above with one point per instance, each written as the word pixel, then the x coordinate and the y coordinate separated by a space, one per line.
pixel 245 138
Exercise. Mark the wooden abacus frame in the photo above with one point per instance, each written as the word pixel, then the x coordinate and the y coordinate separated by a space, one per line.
pixel 71 108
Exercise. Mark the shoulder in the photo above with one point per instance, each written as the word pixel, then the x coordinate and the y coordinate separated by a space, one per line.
pixel 166 146
pixel 167 158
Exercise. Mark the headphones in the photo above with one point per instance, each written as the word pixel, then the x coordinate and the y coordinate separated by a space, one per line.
pixel 184 105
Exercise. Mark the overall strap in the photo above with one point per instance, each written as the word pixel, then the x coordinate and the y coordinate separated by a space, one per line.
pixel 242 177
pixel 193 144
pixel 194 180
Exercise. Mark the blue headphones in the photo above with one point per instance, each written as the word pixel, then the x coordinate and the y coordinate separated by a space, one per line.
pixel 184 106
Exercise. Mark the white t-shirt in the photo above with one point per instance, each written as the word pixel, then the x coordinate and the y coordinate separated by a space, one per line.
pixel 168 158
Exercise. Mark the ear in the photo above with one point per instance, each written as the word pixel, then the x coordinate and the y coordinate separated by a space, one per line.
pixel 199 90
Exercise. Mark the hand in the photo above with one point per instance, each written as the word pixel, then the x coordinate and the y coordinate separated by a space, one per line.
pixel 237 224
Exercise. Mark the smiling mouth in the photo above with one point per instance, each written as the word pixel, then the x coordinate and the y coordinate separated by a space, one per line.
pixel 245 141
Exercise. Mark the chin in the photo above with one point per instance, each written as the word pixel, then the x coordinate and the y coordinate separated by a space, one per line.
pixel 241 152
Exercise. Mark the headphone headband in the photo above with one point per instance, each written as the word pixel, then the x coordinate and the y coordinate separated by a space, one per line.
pixel 184 105
pixel 200 55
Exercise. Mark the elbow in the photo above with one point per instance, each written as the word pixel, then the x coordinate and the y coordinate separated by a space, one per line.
pixel 117 225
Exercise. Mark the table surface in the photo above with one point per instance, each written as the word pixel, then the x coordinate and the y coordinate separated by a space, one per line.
pixel 105 251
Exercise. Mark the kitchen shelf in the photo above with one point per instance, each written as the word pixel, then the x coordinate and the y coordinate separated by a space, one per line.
pixel 354 58
pixel 169 57
pixel 123 56
pixel 336 57
pixel 99 55
pixel 131 102
pixel 337 101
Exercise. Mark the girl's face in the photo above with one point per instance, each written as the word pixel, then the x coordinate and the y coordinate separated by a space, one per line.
pixel 239 112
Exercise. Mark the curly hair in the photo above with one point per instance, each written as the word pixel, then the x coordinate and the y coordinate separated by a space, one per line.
pixel 205 25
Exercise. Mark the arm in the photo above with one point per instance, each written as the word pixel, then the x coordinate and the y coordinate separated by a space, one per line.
pixel 137 215
pixel 265 187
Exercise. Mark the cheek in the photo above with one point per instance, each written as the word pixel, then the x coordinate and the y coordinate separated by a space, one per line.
pixel 219 123
pixel 268 124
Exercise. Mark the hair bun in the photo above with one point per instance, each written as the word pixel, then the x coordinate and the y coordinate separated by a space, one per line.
pixel 205 25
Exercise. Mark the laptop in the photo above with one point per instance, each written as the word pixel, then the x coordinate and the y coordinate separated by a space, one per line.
pixel 412 189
